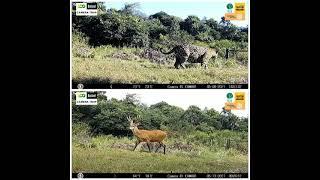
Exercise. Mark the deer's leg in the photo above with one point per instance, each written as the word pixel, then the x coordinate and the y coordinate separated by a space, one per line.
pixel 137 143
pixel 148 146
pixel 158 147
pixel 164 148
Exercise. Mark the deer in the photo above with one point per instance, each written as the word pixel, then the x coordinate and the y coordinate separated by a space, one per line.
pixel 147 136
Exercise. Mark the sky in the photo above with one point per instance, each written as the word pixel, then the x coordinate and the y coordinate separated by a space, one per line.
pixel 182 97
pixel 182 8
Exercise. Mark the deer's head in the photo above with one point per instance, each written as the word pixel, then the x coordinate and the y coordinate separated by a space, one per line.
pixel 132 124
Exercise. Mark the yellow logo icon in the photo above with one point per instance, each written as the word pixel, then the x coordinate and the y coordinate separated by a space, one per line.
pixel 238 103
pixel 239 8
pixel 238 14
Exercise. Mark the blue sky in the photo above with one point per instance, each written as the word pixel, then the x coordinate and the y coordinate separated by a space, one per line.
pixel 202 8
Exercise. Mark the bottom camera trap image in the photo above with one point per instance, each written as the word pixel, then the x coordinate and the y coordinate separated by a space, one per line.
pixel 160 131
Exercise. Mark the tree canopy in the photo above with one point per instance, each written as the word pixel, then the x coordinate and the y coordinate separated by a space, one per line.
pixel 110 117
pixel 130 27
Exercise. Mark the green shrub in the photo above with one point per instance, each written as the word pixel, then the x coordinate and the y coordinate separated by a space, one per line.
pixel 224 63
pixel 80 47
pixel 218 139
pixel 81 135
pixel 242 57
pixel 221 45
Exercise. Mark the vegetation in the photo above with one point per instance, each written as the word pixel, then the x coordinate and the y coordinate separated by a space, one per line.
pixel 198 140
pixel 110 117
pixel 122 46
pixel 115 155
pixel 112 70
pixel 131 28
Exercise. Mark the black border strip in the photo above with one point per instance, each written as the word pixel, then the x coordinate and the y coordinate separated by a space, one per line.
pixel 161 175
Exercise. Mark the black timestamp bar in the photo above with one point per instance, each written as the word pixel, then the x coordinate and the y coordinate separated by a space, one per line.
pixel 159 86
pixel 160 175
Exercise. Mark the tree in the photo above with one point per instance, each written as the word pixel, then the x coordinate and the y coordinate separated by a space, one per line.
pixel 193 115
pixel 191 24
pixel 243 124
pixel 156 28
pixel 171 23
pixel 228 120
pixel 132 99
pixel 130 8
pixel 230 31
pixel 213 119
pixel 130 27
pixel 101 8
pixel 170 114
pixel 110 117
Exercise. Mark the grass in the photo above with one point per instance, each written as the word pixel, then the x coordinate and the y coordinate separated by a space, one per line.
pixel 112 70
pixel 114 155
pixel 99 65
pixel 111 160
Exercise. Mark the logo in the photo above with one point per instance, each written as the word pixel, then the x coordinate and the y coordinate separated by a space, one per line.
pixel 229 97
pixel 86 9
pixel 81 95
pixel 239 100
pixel 235 101
pixel 81 6
pixel 239 8
pixel 239 11
pixel 86 98
pixel 229 7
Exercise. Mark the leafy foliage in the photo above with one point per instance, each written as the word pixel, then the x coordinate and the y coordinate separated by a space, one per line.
pixel 110 117
pixel 130 27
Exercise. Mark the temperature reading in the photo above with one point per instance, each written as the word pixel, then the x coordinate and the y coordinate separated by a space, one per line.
pixel 148 175
pixel 148 86
pixel 136 175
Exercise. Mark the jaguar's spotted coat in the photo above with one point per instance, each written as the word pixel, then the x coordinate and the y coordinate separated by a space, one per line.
pixel 192 54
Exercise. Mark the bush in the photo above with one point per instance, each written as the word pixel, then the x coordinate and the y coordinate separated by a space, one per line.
pixel 80 47
pixel 155 56
pixel 242 57
pixel 222 45
pixel 125 55
pixel 81 135
pixel 222 62
pixel 173 39
pixel 225 139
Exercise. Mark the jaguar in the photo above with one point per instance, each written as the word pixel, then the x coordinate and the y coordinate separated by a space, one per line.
pixel 192 54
